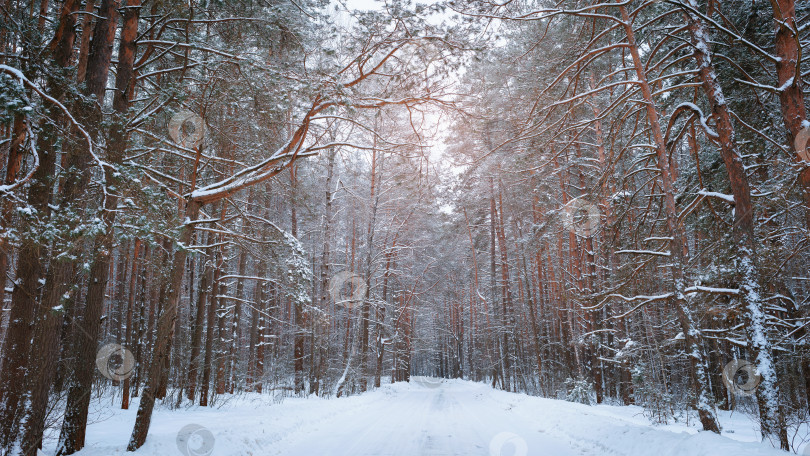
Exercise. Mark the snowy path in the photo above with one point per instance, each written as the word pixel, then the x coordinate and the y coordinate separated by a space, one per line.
pixel 428 419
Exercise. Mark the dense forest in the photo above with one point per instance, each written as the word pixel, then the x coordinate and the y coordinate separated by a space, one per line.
pixel 598 201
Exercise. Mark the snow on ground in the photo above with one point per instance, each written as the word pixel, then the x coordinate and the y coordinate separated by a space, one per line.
pixel 424 418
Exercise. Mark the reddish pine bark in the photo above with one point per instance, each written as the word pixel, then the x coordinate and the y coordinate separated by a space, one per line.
pixel 29 267
pixel 686 318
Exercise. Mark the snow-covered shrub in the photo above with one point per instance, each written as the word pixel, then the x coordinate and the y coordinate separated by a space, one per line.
pixel 579 391
pixel 658 404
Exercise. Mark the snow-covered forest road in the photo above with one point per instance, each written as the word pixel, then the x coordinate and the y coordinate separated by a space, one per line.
pixel 424 418
pixel 434 419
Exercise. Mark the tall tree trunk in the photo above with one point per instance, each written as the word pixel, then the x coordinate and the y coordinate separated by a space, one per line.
pixel 199 327
pixel 85 344
pixel 133 280
pixel 209 330
pixel 535 330
pixel 165 331
pixel 772 420
pixel 84 46
pixel 506 295
pixel 15 155
pixel 692 335
pixel 299 317
pixel 253 335
pixel 791 94
pixel 24 295
pixel 325 255
pixel 221 334
pixel 493 280
pixel 381 312
pixel 365 313
pixel 236 322
pixel 262 298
